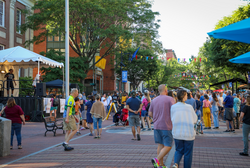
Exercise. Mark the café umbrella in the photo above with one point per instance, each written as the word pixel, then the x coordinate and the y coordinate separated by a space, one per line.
pixel 239 31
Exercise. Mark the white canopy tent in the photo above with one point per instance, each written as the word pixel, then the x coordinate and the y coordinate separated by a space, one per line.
pixel 19 57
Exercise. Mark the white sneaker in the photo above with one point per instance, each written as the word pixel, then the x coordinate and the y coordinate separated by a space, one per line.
pixel 175 165
pixel 82 128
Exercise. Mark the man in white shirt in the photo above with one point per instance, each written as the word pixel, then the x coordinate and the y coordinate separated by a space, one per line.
pixel 109 101
pixel 220 99
pixel 104 101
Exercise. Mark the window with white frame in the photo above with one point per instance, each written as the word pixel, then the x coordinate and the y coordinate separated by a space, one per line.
pixel 1 47
pixel 1 13
pixel 18 20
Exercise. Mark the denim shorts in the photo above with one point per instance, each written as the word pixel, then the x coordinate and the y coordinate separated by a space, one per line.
pixel 99 120
pixel 144 113
pixel 163 137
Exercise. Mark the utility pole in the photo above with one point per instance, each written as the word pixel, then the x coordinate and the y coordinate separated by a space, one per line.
pixel 67 47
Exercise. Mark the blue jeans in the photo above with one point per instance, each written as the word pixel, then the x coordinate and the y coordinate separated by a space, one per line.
pixel 99 120
pixel 246 131
pixel 108 107
pixel 16 128
pixel 198 113
pixel 183 147
pixel 216 118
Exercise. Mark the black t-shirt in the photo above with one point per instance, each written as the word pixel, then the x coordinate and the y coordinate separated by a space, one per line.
pixel 115 98
pixel 198 104
pixel 10 76
pixel 246 118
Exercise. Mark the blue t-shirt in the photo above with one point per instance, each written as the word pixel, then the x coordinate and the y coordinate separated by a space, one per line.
pixel 201 99
pixel 229 100
pixel 89 105
pixel 134 104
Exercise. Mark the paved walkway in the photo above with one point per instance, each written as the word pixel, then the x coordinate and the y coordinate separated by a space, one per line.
pixel 116 149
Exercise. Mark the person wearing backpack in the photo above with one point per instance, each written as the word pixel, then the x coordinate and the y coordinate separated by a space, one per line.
pixel 54 104
pixel 145 106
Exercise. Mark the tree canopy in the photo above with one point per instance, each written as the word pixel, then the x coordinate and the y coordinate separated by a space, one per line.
pixel 94 24
pixel 139 69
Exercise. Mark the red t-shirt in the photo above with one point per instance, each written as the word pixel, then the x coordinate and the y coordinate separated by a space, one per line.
pixel 13 114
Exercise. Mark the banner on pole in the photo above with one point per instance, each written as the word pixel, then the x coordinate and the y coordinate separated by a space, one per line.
pixel 124 76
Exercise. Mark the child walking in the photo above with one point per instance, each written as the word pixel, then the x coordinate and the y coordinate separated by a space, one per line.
pixel 77 114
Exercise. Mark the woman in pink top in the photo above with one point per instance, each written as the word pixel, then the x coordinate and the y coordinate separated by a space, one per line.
pixel 144 112
pixel 206 112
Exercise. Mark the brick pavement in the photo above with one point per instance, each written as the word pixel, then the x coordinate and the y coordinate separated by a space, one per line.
pixel 116 149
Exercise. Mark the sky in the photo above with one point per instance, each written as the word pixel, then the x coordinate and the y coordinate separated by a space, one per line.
pixel 185 23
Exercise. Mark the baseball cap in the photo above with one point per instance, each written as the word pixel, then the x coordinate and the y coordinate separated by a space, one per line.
pixel 234 94
pixel 133 94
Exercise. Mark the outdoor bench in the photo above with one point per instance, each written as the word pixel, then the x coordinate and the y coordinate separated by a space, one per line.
pixel 51 124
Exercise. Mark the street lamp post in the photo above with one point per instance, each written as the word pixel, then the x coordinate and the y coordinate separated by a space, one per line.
pixel 67 47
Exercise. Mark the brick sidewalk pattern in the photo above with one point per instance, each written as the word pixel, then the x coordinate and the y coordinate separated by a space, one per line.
pixel 116 149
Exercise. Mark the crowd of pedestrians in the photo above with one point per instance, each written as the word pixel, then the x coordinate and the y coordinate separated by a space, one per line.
pixel 174 115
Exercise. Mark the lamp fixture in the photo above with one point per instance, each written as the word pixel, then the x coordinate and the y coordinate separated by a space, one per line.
pixel 3 71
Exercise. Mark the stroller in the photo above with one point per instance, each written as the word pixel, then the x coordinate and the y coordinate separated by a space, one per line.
pixel 116 118
pixel 121 117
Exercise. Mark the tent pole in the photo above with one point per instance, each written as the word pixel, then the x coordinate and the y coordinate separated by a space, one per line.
pixel 38 65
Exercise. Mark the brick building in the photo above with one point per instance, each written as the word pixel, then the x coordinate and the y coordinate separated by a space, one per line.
pixel 11 19
pixel 170 54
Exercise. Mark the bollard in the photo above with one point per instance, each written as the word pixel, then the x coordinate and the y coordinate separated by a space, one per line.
pixel 5 131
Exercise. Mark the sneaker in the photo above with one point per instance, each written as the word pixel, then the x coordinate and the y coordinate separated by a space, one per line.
pixel 138 137
pixel 64 144
pixel 233 131
pixel 150 129
pixel 155 163
pixel 243 154
pixel 78 133
pixel 143 129
pixel 68 148
pixel 226 131
pixel 20 147
pixel 82 128
pixel 90 134
pixel 11 147
pixel 163 166
pixel 175 165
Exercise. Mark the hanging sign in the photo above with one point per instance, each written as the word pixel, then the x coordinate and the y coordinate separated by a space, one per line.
pixel 124 76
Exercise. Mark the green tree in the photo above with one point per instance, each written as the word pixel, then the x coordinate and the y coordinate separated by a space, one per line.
pixel 25 82
pixel 76 65
pixel 139 69
pixel 219 51
pixel 94 24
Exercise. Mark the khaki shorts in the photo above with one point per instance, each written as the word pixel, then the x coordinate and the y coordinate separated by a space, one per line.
pixel 71 125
